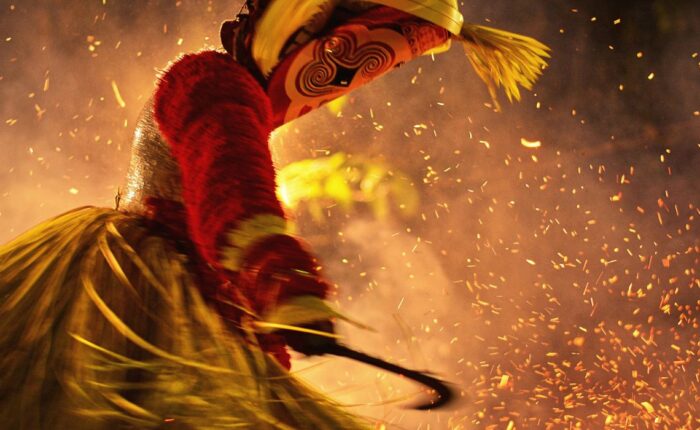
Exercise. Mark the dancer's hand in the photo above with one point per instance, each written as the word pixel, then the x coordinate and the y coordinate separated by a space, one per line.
pixel 309 343
pixel 278 270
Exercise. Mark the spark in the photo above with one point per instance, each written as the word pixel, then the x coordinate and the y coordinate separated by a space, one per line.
pixel 530 143
pixel 118 95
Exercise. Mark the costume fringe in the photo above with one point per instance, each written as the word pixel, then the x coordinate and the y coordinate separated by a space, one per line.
pixel 217 119
pixel 102 326
pixel 504 59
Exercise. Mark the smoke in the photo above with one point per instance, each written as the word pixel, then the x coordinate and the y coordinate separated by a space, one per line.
pixel 562 278
pixel 555 286
pixel 65 135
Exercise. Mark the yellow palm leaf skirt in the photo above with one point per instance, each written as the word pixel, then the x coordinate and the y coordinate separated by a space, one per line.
pixel 102 326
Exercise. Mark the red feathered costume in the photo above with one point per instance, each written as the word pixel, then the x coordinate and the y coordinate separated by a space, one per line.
pixel 217 120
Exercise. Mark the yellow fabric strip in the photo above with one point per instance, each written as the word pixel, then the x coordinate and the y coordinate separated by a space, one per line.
pixel 443 13
pixel 439 49
pixel 299 311
pixel 248 233
pixel 284 17
pixel 279 21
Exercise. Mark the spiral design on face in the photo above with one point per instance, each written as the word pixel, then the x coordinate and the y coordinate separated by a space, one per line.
pixel 376 60
pixel 315 79
pixel 341 50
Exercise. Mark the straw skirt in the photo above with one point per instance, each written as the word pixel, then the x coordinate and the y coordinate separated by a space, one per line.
pixel 102 326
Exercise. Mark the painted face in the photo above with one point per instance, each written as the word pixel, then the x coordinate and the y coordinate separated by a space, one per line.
pixel 346 58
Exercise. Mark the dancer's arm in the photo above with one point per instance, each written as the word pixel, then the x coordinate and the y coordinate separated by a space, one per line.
pixel 217 120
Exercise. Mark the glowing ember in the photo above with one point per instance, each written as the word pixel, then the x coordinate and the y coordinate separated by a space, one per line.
pixel 530 143
pixel 118 95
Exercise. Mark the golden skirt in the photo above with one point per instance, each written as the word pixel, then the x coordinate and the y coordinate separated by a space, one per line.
pixel 102 326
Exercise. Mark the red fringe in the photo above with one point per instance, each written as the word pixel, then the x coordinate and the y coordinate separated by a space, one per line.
pixel 217 120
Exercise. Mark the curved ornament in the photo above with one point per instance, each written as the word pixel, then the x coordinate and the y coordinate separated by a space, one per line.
pixel 335 65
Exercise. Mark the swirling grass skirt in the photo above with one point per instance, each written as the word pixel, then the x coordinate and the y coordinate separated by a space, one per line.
pixel 102 327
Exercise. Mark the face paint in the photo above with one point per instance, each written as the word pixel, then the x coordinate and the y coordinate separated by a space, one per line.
pixel 346 58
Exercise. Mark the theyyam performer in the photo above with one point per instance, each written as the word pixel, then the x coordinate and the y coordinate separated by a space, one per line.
pixel 176 308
